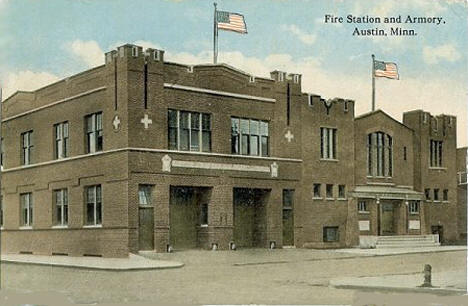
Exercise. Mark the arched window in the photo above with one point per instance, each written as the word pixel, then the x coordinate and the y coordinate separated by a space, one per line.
pixel 379 154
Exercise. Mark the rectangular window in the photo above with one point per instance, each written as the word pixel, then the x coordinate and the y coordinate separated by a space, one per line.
pixel 27 146
pixel 61 207
pixel 414 207
pixel 93 205
pixel 435 153
pixel 26 202
pixel 189 131
pixel 329 189
pixel 362 207
pixel 331 234
pixel 427 194
pixel 379 154
pixel 249 137
pixel 288 198
pixel 341 191
pixel 404 153
pixel 144 195
pixel 317 190
pixel 94 136
pixel 436 194
pixel 327 143
pixel 61 140
pixel 445 195
pixel 204 214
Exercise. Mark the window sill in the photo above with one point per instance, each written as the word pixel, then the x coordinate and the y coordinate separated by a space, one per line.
pixel 436 201
pixel 317 198
pixel 445 201
pixel 203 225
pixel 364 212
pixel 438 168
pixel 329 160
pixel 342 199
pixel 414 213
pixel 25 228
pixel 59 226
pixel 93 226
pixel 379 177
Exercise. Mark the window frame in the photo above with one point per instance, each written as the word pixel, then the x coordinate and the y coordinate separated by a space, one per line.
pixel 245 133
pixel 329 192
pixel 363 207
pixel 95 204
pixel 413 207
pixel 316 191
pixel 27 147
pixel 62 220
pixel 436 153
pixel 27 210
pixel 445 195
pixel 342 192
pixel 147 191
pixel 379 154
pixel 336 234
pixel 94 133
pixel 61 140
pixel 328 148
pixel 204 127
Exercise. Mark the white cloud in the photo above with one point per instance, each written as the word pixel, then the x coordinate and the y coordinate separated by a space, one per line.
pixel 447 52
pixel 303 36
pixel 26 80
pixel 88 52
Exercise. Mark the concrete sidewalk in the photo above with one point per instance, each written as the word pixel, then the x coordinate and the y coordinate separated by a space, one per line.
pixel 132 263
pixel 444 282
pixel 396 251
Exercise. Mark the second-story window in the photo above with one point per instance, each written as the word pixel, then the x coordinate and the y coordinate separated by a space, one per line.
pixel 189 131
pixel 435 153
pixel 27 146
pixel 249 137
pixel 93 133
pixel 379 154
pixel 61 140
pixel 327 143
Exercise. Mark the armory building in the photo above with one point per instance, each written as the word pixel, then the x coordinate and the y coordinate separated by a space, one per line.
pixel 145 154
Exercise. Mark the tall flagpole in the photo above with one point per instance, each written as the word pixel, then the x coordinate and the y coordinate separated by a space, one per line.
pixel 373 82
pixel 215 36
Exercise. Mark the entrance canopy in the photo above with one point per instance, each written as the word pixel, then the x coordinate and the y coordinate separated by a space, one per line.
pixel 386 192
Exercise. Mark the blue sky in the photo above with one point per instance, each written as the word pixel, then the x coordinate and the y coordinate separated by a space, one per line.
pixel 42 41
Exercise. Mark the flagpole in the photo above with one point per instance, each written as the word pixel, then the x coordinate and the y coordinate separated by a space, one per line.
pixel 215 36
pixel 373 82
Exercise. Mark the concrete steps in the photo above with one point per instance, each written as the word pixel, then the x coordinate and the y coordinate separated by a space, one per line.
pixel 407 241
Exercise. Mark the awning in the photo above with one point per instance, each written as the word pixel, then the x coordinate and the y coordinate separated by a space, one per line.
pixel 386 192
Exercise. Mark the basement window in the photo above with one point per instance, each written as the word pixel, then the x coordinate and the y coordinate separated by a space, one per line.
pixel 331 234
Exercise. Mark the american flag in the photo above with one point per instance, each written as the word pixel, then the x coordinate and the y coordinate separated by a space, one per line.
pixel 231 22
pixel 386 70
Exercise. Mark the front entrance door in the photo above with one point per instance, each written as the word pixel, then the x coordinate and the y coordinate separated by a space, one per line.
pixel 386 222
pixel 439 230
pixel 145 228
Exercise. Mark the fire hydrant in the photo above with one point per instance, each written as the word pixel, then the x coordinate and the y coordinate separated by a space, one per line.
pixel 427 276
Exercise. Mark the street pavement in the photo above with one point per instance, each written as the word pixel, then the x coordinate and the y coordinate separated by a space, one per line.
pixel 249 276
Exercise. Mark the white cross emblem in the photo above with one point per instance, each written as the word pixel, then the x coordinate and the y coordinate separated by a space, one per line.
pixel 289 136
pixel 146 121
pixel 116 122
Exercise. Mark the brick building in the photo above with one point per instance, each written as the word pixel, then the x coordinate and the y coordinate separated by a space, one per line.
pixel 145 154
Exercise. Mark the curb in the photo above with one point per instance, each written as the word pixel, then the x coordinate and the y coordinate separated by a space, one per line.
pixel 176 265
pixel 434 290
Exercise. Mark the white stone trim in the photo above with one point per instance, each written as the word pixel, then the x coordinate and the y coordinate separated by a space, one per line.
pixel 93 226
pixel 364 225
pixel 219 166
pixel 50 162
pixel 54 103
pixel 414 224
pixel 26 227
pixel 218 92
